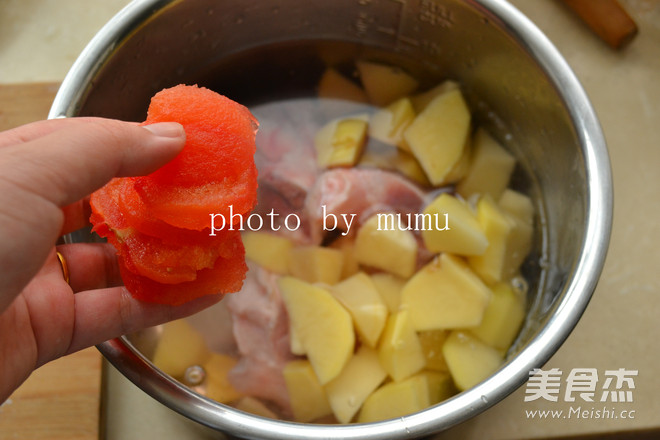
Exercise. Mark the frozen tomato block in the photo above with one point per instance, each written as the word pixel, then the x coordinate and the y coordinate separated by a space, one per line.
pixel 159 223
pixel 141 218
pixel 225 277
pixel 216 167
pixel 150 256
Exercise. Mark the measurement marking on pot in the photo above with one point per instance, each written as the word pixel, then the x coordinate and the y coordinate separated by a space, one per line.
pixel 362 23
pixel 386 30
pixel 431 47
pixel 408 40
pixel 435 14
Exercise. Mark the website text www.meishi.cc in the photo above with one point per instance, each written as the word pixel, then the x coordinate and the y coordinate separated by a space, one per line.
pixel 581 412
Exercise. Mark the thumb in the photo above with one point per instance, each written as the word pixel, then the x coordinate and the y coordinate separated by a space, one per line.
pixel 81 155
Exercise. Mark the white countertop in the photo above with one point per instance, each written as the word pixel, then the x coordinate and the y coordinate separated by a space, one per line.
pixel 40 39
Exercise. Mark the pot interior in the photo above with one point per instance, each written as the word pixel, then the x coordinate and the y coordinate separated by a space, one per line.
pixel 257 52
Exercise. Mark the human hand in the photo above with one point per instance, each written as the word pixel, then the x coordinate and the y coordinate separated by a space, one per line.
pixel 46 170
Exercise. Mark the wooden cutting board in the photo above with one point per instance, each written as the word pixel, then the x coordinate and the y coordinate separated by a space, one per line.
pixel 61 400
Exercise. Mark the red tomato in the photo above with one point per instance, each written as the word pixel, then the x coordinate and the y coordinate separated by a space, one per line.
pixel 159 223
pixel 216 167
pixel 225 277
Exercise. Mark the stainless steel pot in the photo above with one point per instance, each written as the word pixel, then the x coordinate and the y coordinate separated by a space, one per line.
pixel 517 84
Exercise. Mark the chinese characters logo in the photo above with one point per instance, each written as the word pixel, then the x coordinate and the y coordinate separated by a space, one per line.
pixel 581 383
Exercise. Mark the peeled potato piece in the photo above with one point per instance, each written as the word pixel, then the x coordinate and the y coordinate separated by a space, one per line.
pixel 438 135
pixel 316 264
pixel 463 234
pixel 334 85
pixel 393 250
pixel 470 361
pixel 490 266
pixel 384 84
pixel 307 396
pixel 397 399
pixel 268 250
pixel 445 294
pixel 322 326
pixel 361 376
pixel 490 168
pixel 400 351
pixel 359 295
pixel 503 317
pixel 388 124
pixel 348 142
pixel 180 346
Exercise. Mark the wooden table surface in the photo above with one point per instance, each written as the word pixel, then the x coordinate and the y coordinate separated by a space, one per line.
pixel 61 400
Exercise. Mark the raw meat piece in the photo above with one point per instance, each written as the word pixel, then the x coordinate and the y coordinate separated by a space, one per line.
pixel 286 159
pixel 363 192
pixel 261 330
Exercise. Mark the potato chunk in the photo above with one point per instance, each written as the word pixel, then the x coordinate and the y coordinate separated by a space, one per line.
pixel 490 266
pixel 270 251
pixel 462 166
pixel 348 142
pixel 432 342
pixel 399 350
pixel 322 326
pixel 333 141
pixel 361 376
pixel 421 100
pixel 392 250
pixel 218 387
pixel 520 211
pixel 470 361
pixel 180 346
pixel 490 169
pixel 439 134
pixel 389 287
pixel 502 319
pixel 307 396
pixel 316 264
pixel 359 295
pixel 350 264
pixel 518 205
pixel 254 406
pixel 295 344
pixel 441 385
pixel 387 157
pixel 385 84
pixel 388 124
pixel 464 235
pixel 396 399
pixel 445 294
pixel 334 85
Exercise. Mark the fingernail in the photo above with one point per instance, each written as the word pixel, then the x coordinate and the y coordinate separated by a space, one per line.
pixel 166 129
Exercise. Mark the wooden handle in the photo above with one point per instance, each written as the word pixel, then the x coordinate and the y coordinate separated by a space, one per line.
pixel 607 19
